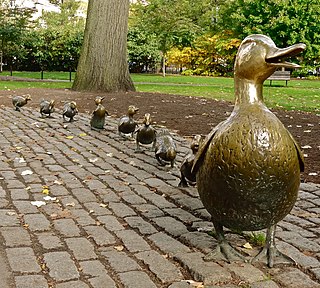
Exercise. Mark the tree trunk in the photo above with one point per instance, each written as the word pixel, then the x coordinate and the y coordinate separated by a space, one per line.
pixel 103 62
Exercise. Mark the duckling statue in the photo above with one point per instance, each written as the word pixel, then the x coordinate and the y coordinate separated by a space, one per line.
pixel 165 148
pixel 98 115
pixel 46 107
pixel 20 101
pixel 69 110
pixel 126 123
pixel 187 177
pixel 248 168
pixel 146 134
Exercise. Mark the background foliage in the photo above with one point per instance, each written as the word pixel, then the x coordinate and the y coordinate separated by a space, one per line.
pixel 196 37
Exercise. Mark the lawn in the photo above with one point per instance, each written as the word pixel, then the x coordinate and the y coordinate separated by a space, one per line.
pixel 298 95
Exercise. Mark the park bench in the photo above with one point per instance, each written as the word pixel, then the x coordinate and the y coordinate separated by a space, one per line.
pixel 280 75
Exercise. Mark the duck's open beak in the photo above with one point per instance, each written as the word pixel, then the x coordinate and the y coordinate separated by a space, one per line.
pixel 276 56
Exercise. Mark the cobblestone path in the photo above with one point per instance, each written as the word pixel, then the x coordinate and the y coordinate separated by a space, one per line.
pixel 114 218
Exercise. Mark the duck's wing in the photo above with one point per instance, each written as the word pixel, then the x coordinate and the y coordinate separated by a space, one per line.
pixel 203 149
pixel 299 152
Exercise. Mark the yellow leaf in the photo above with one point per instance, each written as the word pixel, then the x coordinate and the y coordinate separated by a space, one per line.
pixel 45 191
pixel 119 248
pixel 82 134
pixel 247 245
pixel 69 137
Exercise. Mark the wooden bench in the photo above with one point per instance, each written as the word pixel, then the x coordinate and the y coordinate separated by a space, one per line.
pixel 280 75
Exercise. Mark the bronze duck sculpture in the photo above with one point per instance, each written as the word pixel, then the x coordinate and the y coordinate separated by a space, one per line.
pixel 248 168
pixel 98 115
pixel 46 107
pixel 20 101
pixel 165 148
pixel 187 177
pixel 69 110
pixel 146 134
pixel 127 124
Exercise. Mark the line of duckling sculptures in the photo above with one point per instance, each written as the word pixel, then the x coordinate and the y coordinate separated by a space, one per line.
pixel 162 141
pixel 247 169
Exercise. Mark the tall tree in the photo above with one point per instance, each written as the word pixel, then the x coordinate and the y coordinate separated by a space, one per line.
pixel 103 62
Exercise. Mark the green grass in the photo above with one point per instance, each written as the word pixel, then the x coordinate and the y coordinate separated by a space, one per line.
pixel 56 75
pixel 298 95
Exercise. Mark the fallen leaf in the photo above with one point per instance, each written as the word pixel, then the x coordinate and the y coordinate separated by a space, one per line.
pixel 57 182
pixel 307 131
pixel 49 198
pixel 45 191
pixel 132 163
pixel 71 204
pixel 109 154
pixel 82 134
pixel 103 205
pixel 93 160
pixel 119 248
pixel 11 213
pixel 313 174
pixel 306 147
pixel 26 172
pixel 69 137
pixel 38 203
pixel 193 283
pixel 247 245
pixel 21 160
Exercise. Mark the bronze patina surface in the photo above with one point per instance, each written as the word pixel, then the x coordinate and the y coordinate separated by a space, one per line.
pixel 46 107
pixel 20 101
pixel 146 134
pixel 127 124
pixel 98 117
pixel 165 148
pixel 70 110
pixel 248 169
pixel 187 177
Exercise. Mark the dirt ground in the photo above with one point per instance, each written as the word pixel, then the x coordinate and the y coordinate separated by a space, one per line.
pixel 186 115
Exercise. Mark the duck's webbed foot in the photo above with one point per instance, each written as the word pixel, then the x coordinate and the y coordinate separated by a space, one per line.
pixel 270 253
pixel 224 251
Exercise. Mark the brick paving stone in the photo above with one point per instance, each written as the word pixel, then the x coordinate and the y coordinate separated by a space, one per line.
pixel 22 260
pixel 154 182
pixel 171 225
pixel 84 195
pixel 82 217
pixel 120 261
pixel 132 198
pixel 182 215
pixel 246 272
pixel 132 241
pixel 25 207
pixel 201 240
pixel 81 248
pixel 15 236
pixel 160 266
pixel 149 211
pixel 61 267
pixel 121 210
pixel 294 278
pixel 188 201
pixel 302 259
pixel 19 194
pixel 134 279
pixel 167 244
pixel 316 273
pixel 203 271
pixel 111 223
pixel 30 281
pixel 143 226
pixel 37 222
pixel 66 227
pixel 264 284
pixel 3 203
pixel 8 218
pixel 97 273
pixel 159 200
pixel 73 284
pixel 49 241
pixel 107 195
pixel 298 241
pixel 100 235
pixel 96 209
